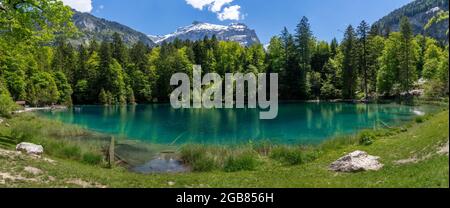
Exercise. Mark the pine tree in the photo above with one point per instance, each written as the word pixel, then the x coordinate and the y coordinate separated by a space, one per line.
pixel 349 64
pixel 105 55
pixel 119 51
pixel 303 40
pixel 105 62
pixel 65 60
pixel 334 47
pixel 291 76
pixel 407 64
pixel 83 56
pixel 362 31
pixel 93 47
pixel 103 97
pixel 375 46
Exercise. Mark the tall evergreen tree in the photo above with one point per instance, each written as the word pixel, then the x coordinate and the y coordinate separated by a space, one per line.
pixel 119 51
pixel 291 76
pixel 349 64
pixel 83 56
pixel 334 45
pixel 407 68
pixel 303 40
pixel 362 31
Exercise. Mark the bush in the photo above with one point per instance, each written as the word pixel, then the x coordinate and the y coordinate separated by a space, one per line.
pixel 196 156
pixel 420 119
pixel 246 161
pixel 366 138
pixel 92 158
pixel 203 164
pixel 70 152
pixel 434 90
pixel 25 131
pixel 7 105
pixel 293 156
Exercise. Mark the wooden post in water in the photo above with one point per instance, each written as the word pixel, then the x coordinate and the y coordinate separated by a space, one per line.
pixel 111 153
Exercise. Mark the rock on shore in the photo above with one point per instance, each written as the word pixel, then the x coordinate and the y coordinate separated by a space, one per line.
pixel 29 148
pixel 355 162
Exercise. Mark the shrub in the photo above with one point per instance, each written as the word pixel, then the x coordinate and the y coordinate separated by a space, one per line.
pixel 293 156
pixel 203 164
pixel 263 148
pixel 366 138
pixel 25 131
pixel 92 158
pixel 7 105
pixel 196 156
pixel 71 152
pixel 420 119
pixel 246 161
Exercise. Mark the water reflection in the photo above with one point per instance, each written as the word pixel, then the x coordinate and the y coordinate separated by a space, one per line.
pixel 296 123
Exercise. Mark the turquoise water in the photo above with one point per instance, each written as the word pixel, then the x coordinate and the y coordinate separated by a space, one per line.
pixel 297 123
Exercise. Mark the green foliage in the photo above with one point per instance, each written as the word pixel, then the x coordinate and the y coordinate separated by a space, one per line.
pixel 43 88
pixel 35 21
pixel 104 98
pixel 111 73
pixel 292 155
pixel 349 63
pixel 246 161
pixel 432 56
pixel 14 76
pixel 419 10
pixel 92 158
pixel 196 157
pixel 59 140
pixel 420 119
pixel 303 40
pixel 70 152
pixel 441 16
pixel 7 105
pixel 64 88
pixel 398 65
pixel 366 138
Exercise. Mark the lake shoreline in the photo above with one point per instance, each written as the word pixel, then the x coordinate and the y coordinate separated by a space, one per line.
pixel 382 146
pixel 232 147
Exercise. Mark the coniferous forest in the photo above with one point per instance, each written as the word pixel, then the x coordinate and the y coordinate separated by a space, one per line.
pixel 368 109
pixel 39 66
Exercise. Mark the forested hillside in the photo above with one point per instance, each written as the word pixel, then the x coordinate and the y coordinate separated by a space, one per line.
pixel 365 65
pixel 94 28
pixel 427 17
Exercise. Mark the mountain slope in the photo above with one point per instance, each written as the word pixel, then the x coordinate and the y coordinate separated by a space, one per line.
pixel 419 12
pixel 92 27
pixel 197 31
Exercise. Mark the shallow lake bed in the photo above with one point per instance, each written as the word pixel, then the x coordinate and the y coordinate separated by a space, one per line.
pixel 297 123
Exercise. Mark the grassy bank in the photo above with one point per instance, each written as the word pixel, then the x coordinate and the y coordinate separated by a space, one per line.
pixel 409 155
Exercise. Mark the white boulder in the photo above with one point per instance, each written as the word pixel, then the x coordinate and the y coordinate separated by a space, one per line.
pixel 355 162
pixel 29 148
pixel 444 149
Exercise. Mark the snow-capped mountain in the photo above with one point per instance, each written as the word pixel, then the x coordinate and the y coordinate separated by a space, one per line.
pixel 236 32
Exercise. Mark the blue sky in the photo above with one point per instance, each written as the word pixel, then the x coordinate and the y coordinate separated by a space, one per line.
pixel 268 17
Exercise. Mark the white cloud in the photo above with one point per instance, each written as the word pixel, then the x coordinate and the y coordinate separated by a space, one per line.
pixel 230 13
pixel 218 4
pixel 215 6
pixel 79 5
pixel 199 4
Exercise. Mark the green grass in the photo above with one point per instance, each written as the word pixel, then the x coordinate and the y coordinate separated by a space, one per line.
pixel 284 170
